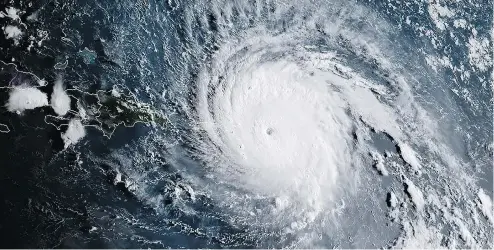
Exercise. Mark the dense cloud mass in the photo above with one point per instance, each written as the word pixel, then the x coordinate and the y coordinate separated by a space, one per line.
pixel 298 124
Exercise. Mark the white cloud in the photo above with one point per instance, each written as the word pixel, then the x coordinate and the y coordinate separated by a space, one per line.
pixel 23 98
pixel 74 132
pixel 479 53
pixel 60 101
pixel 12 13
pixel 415 195
pixel 13 32
pixel 409 156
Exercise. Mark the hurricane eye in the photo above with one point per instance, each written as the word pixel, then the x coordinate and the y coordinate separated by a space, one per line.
pixel 269 131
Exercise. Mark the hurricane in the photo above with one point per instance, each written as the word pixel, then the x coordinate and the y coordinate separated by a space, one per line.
pixel 303 124
pixel 305 116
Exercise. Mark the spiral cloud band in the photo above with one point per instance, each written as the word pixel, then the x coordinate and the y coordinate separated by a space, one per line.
pixel 310 124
